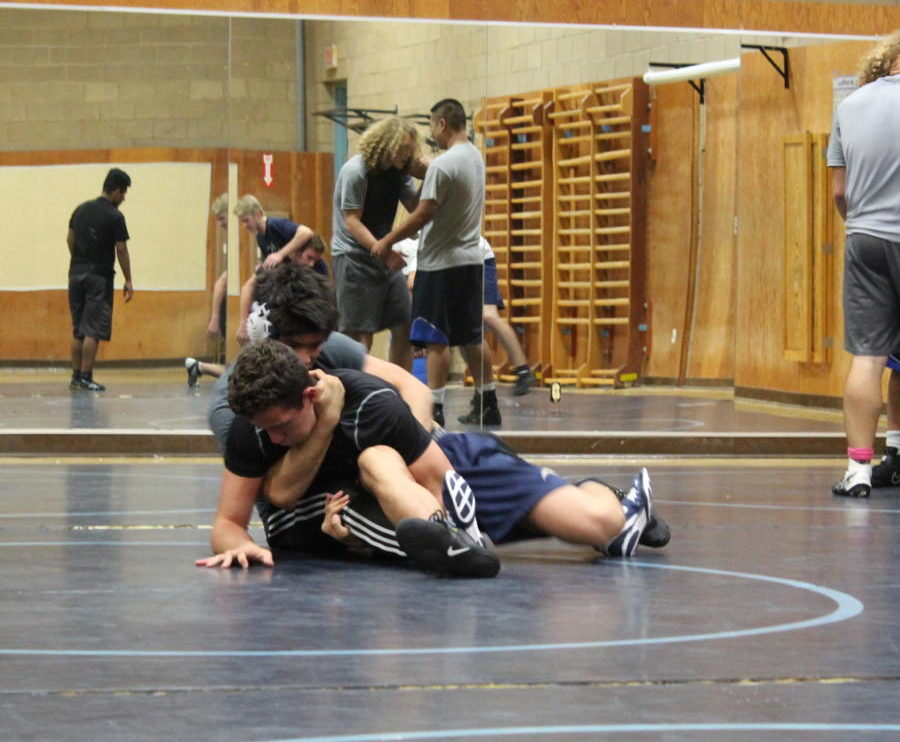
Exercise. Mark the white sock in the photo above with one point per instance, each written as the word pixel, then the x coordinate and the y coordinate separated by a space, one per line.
pixel 893 439
pixel 486 388
pixel 857 467
pixel 438 395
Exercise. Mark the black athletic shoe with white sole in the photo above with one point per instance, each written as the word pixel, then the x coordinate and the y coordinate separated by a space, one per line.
pixel 440 546
pixel 657 532
pixel 459 502
pixel 887 472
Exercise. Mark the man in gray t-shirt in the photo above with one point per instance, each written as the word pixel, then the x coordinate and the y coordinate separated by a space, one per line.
pixel 447 294
pixel 864 153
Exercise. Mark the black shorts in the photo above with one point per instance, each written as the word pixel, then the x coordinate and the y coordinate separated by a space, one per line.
pixel 91 305
pixel 871 295
pixel 300 529
pixel 447 306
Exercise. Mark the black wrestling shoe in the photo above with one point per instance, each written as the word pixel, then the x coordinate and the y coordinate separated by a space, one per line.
pixel 484 410
pixel 193 371
pixel 524 382
pixel 887 473
pixel 91 385
pixel 437 413
pixel 656 533
pixel 440 546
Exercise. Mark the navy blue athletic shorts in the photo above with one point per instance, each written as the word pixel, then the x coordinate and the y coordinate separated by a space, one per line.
pixel 491 289
pixel 506 487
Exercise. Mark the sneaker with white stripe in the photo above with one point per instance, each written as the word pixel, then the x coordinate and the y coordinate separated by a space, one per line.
pixel 459 501
pixel 637 507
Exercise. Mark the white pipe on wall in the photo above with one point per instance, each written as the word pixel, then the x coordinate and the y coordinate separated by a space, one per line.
pixel 692 72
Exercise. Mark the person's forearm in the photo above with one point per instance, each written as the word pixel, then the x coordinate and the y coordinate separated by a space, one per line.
pixel 291 477
pixel 247 297
pixel 218 296
pixel 302 236
pixel 359 232
pixel 413 224
pixel 124 262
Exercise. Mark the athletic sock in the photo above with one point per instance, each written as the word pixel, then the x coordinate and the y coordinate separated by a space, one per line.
pixel 893 439
pixel 485 388
pixel 522 370
pixel 438 395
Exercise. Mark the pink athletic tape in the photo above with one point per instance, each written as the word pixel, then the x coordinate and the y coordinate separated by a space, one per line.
pixel 861 454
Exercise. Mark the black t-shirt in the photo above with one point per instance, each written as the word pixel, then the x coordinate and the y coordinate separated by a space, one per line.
pixel 383 192
pixel 96 226
pixel 373 414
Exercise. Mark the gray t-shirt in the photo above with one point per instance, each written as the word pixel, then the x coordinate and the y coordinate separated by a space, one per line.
pixel 865 139
pixel 375 194
pixel 456 181
pixel 339 351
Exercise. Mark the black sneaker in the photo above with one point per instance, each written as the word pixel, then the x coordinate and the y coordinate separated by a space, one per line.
pixel 483 412
pixel 524 382
pixel 637 507
pixel 75 383
pixel 193 371
pixel 437 413
pixel 887 473
pixel 656 533
pixel 852 485
pixel 440 546
pixel 459 502
pixel 91 385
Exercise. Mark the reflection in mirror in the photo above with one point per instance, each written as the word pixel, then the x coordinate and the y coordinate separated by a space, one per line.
pixel 142 92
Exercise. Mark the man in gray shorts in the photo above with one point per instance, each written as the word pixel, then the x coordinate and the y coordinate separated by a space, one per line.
pixel 369 187
pixel 864 153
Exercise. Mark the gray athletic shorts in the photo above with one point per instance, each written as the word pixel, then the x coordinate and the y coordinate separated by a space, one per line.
pixel 871 295
pixel 91 305
pixel 369 296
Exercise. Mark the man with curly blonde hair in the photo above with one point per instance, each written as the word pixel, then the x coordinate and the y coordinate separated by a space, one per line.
pixel 370 296
pixel 864 153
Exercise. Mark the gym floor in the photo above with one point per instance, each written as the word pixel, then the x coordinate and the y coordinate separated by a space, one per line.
pixel 770 615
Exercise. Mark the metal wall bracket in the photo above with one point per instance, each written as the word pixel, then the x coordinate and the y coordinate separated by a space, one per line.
pixel 355 119
pixel 785 69
pixel 698 85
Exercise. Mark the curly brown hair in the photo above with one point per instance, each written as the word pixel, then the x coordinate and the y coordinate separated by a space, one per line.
pixel 879 61
pixel 385 137
pixel 266 374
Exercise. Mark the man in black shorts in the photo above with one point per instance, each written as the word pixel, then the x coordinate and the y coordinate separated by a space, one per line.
pixel 97 237
pixel 447 294
pixel 375 444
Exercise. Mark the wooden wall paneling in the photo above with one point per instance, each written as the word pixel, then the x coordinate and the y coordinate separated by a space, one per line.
pixel 772 15
pixel 823 254
pixel 798 247
pixel 670 214
pixel 767 113
pixel 710 348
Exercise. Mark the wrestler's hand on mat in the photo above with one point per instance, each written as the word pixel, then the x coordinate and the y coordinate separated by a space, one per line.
pixel 333 525
pixel 242 556
pixel 328 400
